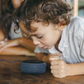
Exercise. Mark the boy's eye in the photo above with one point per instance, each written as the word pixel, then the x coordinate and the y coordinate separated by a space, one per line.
pixel 39 37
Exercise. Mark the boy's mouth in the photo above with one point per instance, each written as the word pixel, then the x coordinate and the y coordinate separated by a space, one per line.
pixel 43 47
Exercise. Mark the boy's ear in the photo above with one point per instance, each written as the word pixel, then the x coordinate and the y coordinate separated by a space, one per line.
pixel 45 23
pixel 59 27
pixel 62 22
pixel 56 27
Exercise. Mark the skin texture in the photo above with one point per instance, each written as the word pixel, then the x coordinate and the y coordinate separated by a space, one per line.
pixel 43 35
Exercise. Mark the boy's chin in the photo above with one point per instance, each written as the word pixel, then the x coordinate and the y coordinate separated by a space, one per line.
pixel 49 47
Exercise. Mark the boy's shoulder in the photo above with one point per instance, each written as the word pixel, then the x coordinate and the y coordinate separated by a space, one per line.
pixel 77 20
pixel 76 26
pixel 76 23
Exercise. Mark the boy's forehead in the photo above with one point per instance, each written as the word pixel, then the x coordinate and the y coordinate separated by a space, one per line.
pixel 34 34
pixel 39 31
pixel 36 24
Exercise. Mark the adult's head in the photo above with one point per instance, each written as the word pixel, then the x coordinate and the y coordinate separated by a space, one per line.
pixel 7 8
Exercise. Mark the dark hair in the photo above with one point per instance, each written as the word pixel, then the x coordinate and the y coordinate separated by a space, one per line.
pixel 50 11
pixel 6 16
pixel 17 14
pixel 0 11
pixel 7 10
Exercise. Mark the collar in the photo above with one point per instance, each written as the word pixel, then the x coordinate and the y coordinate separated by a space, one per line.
pixel 64 39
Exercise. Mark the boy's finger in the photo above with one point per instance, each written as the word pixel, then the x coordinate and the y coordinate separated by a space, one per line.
pixel 54 58
pixel 55 54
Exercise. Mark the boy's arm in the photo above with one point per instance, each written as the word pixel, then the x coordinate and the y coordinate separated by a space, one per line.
pixel 61 69
pixel 43 57
pixel 76 69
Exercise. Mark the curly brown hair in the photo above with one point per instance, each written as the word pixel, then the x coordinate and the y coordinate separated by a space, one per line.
pixel 50 11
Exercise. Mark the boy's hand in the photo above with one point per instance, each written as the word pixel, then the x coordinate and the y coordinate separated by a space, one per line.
pixel 58 67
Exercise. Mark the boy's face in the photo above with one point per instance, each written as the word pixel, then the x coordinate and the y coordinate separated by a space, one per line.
pixel 16 3
pixel 46 36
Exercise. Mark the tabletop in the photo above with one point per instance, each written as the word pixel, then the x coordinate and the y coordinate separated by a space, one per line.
pixel 10 73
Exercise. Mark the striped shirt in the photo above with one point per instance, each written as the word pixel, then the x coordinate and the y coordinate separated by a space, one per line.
pixel 72 42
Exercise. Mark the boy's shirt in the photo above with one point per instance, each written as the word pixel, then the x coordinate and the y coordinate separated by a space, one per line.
pixel 72 42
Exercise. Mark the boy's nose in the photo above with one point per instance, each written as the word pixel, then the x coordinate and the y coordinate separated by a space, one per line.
pixel 36 42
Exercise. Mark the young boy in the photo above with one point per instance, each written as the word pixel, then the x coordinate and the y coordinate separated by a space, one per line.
pixel 56 32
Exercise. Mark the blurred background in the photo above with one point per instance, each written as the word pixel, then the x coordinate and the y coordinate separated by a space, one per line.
pixel 78 7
